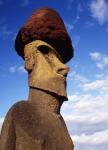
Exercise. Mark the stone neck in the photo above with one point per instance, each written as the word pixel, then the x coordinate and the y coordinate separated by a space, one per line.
pixel 45 101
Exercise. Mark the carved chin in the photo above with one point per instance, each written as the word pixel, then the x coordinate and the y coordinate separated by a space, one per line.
pixel 55 85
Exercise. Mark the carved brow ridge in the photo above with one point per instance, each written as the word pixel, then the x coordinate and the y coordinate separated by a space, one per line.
pixel 39 43
pixel 48 47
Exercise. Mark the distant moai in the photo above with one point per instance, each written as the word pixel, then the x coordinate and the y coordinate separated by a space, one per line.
pixel 36 124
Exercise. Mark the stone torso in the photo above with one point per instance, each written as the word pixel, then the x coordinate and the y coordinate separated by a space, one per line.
pixel 35 130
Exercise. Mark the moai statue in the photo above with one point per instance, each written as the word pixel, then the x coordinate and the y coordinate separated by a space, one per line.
pixel 36 124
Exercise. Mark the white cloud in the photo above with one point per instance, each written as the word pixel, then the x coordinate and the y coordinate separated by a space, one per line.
pixel 21 69
pixel 89 24
pixel 100 59
pixel 76 40
pixel 1 2
pixel 101 76
pixel 94 139
pixel 73 98
pixel 69 5
pixel 79 9
pixel 77 77
pixel 97 84
pixel 25 3
pixel 69 26
pixel 88 119
pixel 95 56
pixel 86 112
pixel 99 10
pixel 12 69
pixel 5 32
pixel 87 103
pixel 90 105
pixel 1 122
pixel 18 69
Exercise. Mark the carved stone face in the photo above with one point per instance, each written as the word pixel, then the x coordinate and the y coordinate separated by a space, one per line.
pixel 45 68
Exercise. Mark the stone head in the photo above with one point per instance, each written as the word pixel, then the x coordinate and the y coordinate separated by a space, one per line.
pixel 45 45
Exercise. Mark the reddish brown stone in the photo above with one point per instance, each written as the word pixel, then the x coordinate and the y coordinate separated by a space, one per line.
pixel 45 24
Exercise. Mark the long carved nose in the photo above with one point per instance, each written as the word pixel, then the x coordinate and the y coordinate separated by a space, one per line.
pixel 63 70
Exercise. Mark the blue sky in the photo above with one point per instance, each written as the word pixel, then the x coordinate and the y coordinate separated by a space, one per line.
pixel 86 112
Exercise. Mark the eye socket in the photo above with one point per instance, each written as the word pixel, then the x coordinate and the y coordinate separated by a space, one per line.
pixel 44 49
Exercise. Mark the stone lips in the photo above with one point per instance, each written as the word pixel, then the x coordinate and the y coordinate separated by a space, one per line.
pixel 45 24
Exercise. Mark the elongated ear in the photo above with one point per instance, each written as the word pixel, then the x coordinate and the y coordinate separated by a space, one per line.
pixel 29 63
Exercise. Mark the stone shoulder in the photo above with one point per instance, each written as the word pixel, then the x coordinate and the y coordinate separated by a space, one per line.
pixel 17 106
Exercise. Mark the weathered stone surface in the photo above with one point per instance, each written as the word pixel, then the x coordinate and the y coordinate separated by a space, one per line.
pixel 45 24
pixel 31 128
pixel 37 124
